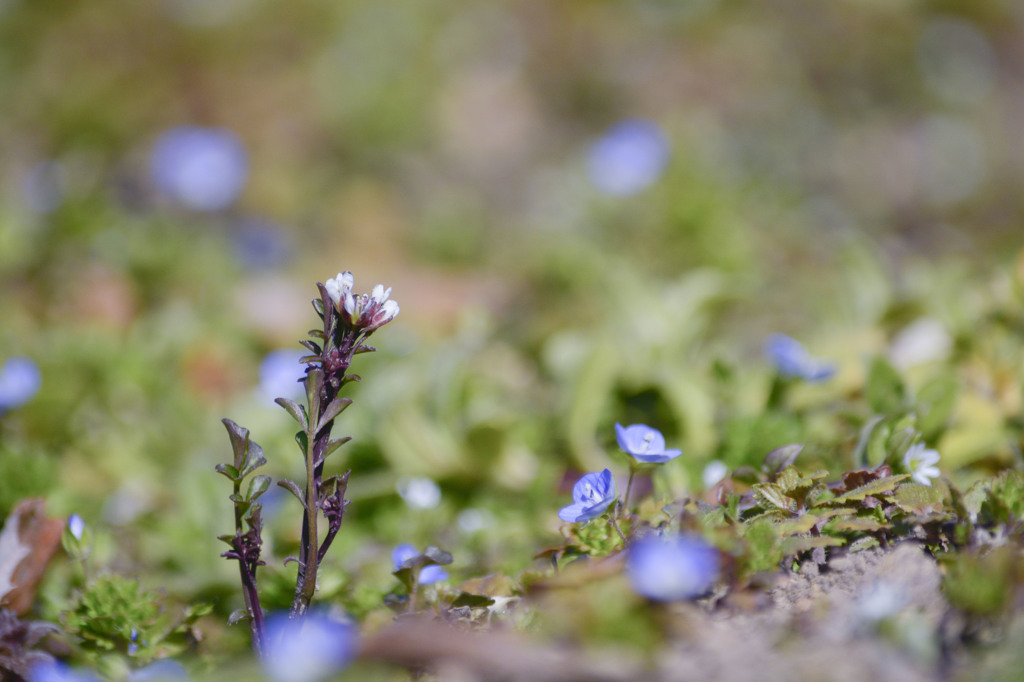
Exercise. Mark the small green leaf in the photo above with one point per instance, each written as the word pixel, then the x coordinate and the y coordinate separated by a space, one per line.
pixel 229 471
pixel 298 412
pixel 336 407
pixel 472 600
pixel 257 486
pixel 780 458
pixel 334 445
pixel 860 453
pixel 935 403
pixel 770 496
pixel 885 390
pixel 303 440
pixel 295 490
pixel 878 486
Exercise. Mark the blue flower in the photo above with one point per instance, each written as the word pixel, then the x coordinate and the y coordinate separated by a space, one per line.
pixel 281 372
pixel 58 672
pixel 792 360
pixel 307 649
pixel 591 496
pixel 630 156
pixel 20 379
pixel 159 671
pixel 434 573
pixel 204 169
pixel 644 444
pixel 671 568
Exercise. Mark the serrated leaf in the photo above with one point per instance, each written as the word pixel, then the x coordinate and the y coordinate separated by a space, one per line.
pixel 875 487
pixel 336 407
pixel 778 459
pixel 295 490
pixel 298 412
pixel 229 471
pixel 770 496
pixel 918 499
pixel 802 524
pixel 789 478
pixel 257 486
pixel 800 544
pixel 856 524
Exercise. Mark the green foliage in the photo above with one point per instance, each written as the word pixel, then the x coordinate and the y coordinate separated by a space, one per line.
pixel 115 615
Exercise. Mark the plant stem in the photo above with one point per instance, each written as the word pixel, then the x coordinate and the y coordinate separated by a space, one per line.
pixel 615 525
pixel 629 487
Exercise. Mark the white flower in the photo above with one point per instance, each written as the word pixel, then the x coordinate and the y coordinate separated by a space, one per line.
pixel 419 492
pixel 920 463
pixel 340 287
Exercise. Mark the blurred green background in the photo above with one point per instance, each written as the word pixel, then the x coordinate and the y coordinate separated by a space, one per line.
pixel 849 173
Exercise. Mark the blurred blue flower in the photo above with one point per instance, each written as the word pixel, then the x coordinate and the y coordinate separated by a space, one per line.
pixel 792 360
pixel 591 495
pixel 281 372
pixel 20 379
pixel 644 444
pixel 58 672
pixel 432 574
pixel 76 526
pixel 260 244
pixel 204 169
pixel 671 568
pixel 630 156
pixel 307 649
pixel 159 671
pixel 429 575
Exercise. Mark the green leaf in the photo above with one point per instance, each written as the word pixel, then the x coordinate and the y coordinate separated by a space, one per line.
pixel 237 616
pixel 229 471
pixel 336 407
pixel 334 445
pixel 878 486
pixel 314 383
pixel 780 458
pixel 303 440
pixel 298 412
pixel 472 600
pixel 770 496
pixel 257 486
pixel 295 490
pixel 935 403
pixel 885 390
pixel 918 499
pixel 860 453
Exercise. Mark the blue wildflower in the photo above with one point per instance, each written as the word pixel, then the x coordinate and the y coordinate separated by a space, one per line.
pixel 434 573
pixel 672 568
pixel 204 169
pixel 791 359
pixel 307 649
pixel 159 671
pixel 591 496
pixel 53 671
pixel 280 374
pixel 630 156
pixel 644 444
pixel 20 379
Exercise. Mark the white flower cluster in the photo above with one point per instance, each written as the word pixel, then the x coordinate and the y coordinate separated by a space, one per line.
pixel 368 311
